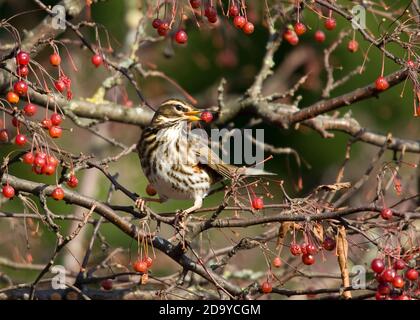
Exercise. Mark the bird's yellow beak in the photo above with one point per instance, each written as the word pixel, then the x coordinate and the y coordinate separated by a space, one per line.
pixel 193 115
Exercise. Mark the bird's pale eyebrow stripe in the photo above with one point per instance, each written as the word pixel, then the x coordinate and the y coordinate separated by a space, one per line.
pixel 173 101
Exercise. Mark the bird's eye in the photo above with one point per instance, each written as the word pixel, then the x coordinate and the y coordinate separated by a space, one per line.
pixel 178 107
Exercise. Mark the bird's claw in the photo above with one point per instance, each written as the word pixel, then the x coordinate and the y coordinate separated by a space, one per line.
pixel 140 203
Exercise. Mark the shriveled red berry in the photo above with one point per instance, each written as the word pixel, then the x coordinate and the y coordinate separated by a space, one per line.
pixel 56 119
pixel 28 158
pixel 20 139
pixel 30 109
pixel 12 97
pixel 59 85
pixel 381 84
pixel 163 29
pixel 377 265
pixel 20 87
pixel 277 262
pixel 8 191
pixel 156 23
pixel 150 190
pixel 386 213
pixel 22 71
pixel 23 58
pixel 257 203
pixel 300 28
pixel 399 264
pixel 107 284
pixel 330 24
pixel 328 244
pixel 308 259
pixel 148 261
pixel 4 135
pixel 97 60
pixel 181 37
pixel 248 28
pixel 72 181
pixel 55 59
pixel 206 116
pixel 266 287
pixel 398 282
pixel 58 194
pixel 239 22
pixel 46 123
pixel 319 36
pixel 233 10
pixel 140 266
pixel 195 3
pixel 353 46
pixel 15 122
pixel 55 132
pixel 412 274
pixel 295 249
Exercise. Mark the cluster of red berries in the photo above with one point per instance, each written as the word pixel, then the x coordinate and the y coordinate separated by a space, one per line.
pixel 41 162
pixel 240 21
pixel 393 282
pixel 142 265
pixel 309 250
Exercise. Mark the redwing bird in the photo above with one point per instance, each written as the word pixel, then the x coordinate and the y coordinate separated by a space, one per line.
pixel 180 164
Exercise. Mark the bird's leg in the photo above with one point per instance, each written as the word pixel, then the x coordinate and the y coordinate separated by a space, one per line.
pixel 180 223
pixel 140 202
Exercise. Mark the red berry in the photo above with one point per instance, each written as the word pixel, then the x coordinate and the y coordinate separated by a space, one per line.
pixel 295 249
pixel 12 97
pixel 107 284
pixel 412 274
pixel 20 87
pixel 403 297
pixel 28 158
pixel 291 37
pixel 257 203
pixel 58 194
pixel 277 262
pixel 411 64
pixel 377 265
pixel 22 71
pixel 233 10
pixel 195 4
pixel 210 12
pixel 212 19
pixel 300 28
pixel 97 60
pixel 248 28
pixel 303 248
pixel 8 191
pixel 381 84
pixel 150 190
pixel 384 289
pixel 56 119
pixel 311 249
pixel 328 244
pixel 399 264
pixel 60 85
pixel 206 116
pixel 52 160
pixel 23 58
pixel 379 296
pixel 319 36
pixel 30 109
pixel 148 261
pixel 40 159
pixel 330 24
pixel 388 275
pixel 386 213
pixel 156 23
pixel 140 266
pixel 20 139
pixel 4 136
pixel 181 36
pixel 55 59
pixel 46 123
pixel 163 29
pixel 48 169
pixel 266 287
pixel 308 259
pixel 15 122
pixel 239 22
pixel 353 46
pixel 398 282
pixel 72 182
pixel 55 132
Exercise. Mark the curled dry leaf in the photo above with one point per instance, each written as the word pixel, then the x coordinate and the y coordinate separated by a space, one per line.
pixel 342 251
